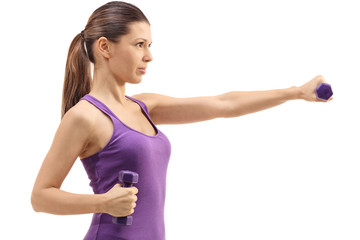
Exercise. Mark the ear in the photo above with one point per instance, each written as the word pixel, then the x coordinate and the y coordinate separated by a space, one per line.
pixel 104 47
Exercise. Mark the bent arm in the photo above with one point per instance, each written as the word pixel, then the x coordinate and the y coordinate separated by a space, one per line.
pixel 69 142
pixel 55 201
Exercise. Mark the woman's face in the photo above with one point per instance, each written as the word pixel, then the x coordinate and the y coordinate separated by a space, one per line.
pixel 131 53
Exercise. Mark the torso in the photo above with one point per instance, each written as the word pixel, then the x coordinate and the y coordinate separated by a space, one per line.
pixel 100 136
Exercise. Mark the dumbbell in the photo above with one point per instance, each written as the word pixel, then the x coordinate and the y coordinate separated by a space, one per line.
pixel 127 179
pixel 323 91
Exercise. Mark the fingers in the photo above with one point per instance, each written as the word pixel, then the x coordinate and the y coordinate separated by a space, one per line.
pixel 134 198
pixel 131 191
pixel 320 79
pixel 120 201
pixel 327 100
pixel 134 190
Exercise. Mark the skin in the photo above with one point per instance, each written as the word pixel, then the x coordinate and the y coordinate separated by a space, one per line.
pixel 79 134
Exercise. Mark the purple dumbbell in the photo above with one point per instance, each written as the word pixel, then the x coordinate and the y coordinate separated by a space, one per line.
pixel 127 179
pixel 323 91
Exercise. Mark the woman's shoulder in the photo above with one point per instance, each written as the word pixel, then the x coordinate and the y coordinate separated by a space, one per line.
pixel 75 128
pixel 81 115
pixel 149 99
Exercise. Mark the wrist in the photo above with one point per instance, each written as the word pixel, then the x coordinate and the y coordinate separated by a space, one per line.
pixel 100 203
pixel 293 93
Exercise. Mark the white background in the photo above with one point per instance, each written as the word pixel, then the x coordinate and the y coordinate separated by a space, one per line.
pixel 289 172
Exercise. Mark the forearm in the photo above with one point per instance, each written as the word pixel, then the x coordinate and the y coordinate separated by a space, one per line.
pixel 240 103
pixel 56 201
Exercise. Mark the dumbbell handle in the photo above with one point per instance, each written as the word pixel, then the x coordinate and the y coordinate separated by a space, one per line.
pixel 126 178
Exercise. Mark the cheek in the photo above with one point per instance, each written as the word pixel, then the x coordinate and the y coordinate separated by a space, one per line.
pixel 118 65
pixel 127 61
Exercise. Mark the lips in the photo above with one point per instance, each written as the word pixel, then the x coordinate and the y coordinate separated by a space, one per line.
pixel 142 70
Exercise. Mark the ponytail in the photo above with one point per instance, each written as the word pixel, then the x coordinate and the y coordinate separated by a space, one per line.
pixel 77 79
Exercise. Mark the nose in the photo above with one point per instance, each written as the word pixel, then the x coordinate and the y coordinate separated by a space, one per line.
pixel 148 56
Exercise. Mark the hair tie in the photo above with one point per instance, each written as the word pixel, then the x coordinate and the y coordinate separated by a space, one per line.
pixel 84 43
pixel 82 35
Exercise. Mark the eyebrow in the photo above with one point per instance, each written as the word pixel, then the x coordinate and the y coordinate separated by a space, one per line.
pixel 142 39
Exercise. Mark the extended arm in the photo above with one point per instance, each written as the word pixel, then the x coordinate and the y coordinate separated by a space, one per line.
pixel 241 103
pixel 170 110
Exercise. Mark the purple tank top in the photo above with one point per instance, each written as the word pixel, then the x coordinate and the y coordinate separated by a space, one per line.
pixel 129 149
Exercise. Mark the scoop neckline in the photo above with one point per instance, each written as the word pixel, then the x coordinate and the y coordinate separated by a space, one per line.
pixel 132 129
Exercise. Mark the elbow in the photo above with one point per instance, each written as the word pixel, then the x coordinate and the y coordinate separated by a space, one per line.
pixel 224 106
pixel 228 108
pixel 35 201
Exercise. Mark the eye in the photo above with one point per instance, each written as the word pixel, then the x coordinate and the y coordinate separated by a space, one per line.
pixel 141 43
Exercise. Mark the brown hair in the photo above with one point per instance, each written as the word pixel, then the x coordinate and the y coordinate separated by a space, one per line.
pixel 111 21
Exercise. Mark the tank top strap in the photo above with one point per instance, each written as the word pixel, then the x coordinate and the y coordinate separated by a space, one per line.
pixel 99 105
pixel 142 104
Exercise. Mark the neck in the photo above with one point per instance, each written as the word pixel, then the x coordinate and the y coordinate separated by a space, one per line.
pixel 107 88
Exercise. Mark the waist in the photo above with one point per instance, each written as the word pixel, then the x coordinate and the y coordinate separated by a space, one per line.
pixel 142 228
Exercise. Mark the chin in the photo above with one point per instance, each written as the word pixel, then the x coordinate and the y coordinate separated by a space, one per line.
pixel 136 80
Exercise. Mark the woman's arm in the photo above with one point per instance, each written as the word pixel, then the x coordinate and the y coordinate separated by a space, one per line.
pixel 69 142
pixel 59 202
pixel 242 103
pixel 170 110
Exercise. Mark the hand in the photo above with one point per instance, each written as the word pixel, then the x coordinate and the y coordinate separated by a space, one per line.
pixel 307 91
pixel 119 201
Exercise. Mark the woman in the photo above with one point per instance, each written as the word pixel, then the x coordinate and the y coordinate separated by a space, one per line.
pixel 111 131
